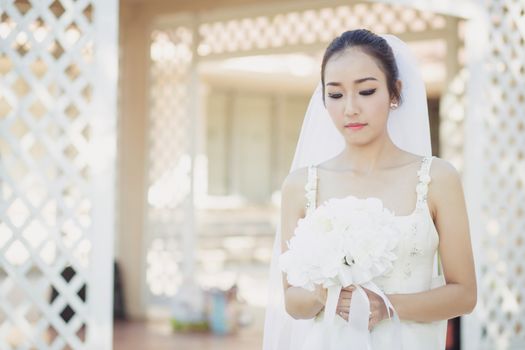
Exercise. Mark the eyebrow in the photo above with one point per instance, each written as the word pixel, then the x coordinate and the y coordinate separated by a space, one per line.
pixel 358 81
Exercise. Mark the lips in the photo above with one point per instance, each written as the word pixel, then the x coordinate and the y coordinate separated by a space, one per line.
pixel 354 125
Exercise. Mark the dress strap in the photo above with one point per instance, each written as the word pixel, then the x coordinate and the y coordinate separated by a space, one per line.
pixel 311 189
pixel 424 179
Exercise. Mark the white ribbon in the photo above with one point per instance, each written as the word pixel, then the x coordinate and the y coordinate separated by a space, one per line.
pixel 358 317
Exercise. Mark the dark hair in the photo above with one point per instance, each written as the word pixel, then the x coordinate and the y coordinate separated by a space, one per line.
pixel 374 46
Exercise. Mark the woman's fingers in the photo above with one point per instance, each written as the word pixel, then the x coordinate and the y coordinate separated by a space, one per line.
pixel 377 306
pixel 345 294
pixel 345 304
pixel 342 313
pixel 345 298
pixel 371 323
pixel 350 288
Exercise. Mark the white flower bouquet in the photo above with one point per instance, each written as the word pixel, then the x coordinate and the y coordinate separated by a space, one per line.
pixel 343 242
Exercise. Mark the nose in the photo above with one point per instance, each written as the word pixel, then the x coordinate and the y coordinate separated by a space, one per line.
pixel 351 107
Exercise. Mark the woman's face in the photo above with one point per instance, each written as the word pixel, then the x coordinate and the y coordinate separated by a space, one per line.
pixel 356 96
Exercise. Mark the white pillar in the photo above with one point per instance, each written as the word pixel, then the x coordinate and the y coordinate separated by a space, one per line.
pixel 476 37
pixel 103 164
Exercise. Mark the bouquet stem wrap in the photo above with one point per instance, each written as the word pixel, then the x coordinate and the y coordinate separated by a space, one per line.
pixel 358 317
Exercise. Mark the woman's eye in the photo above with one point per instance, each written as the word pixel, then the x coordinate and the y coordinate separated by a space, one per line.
pixel 335 95
pixel 367 92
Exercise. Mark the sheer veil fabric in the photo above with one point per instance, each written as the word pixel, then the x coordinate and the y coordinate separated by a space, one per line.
pixel 319 140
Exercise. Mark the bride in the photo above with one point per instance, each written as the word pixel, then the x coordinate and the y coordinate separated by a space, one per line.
pixel 366 135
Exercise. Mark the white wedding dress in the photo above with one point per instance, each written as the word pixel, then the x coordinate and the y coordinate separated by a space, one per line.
pixel 415 270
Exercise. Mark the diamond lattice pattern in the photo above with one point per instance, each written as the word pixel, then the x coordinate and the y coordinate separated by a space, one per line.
pixel 45 61
pixel 169 160
pixel 311 26
pixel 502 282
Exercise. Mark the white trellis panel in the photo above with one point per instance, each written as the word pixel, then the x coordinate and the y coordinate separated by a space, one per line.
pixel 452 117
pixel 58 76
pixel 307 26
pixel 501 312
pixel 169 209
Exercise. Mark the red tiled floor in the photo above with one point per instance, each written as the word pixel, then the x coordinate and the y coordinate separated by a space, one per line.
pixel 159 336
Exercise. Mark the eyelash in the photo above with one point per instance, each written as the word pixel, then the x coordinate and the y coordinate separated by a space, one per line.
pixel 362 93
pixel 367 92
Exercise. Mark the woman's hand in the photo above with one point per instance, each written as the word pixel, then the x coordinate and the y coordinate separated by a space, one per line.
pixel 343 304
pixel 378 309
pixel 321 294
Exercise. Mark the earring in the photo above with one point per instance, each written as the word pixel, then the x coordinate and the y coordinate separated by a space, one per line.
pixel 393 105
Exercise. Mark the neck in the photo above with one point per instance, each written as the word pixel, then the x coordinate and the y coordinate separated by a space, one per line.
pixel 370 157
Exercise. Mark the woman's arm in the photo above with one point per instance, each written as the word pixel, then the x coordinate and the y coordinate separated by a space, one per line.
pixel 300 303
pixel 458 296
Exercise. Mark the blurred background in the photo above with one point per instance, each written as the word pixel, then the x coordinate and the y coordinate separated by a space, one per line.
pixel 143 145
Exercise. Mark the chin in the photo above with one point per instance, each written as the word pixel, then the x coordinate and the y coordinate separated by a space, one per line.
pixel 358 143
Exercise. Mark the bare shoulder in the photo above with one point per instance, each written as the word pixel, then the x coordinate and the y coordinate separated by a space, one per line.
pixel 295 182
pixel 443 172
pixel 445 185
pixel 293 200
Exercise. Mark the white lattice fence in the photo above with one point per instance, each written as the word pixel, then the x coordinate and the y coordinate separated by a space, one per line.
pixel 452 117
pixel 502 281
pixel 453 101
pixel 170 159
pixel 57 113
pixel 310 26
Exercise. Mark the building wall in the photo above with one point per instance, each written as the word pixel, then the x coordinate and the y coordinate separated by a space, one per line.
pixel 251 138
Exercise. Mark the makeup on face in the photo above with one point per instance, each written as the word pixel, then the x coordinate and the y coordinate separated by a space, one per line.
pixel 356 94
pixel 355 126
